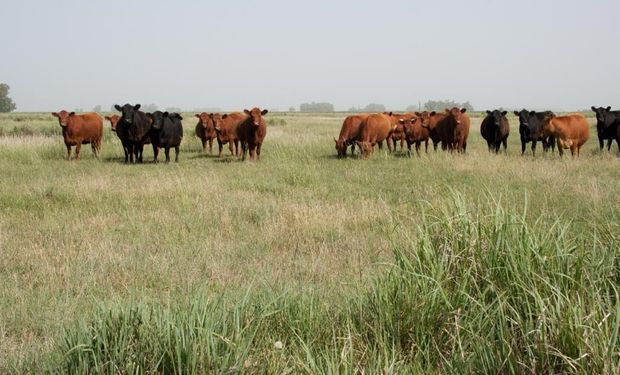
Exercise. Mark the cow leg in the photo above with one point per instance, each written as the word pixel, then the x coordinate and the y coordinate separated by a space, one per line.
pixel 402 141
pixel 252 151
pixel 204 144
pixel 560 150
pixel 231 147
pixel 176 154
pixel 68 152
pixel 156 153
pixel 210 146
pixel 534 148
pixel 258 146
pixel 601 143
pixel 505 143
pixel 237 150
pixel 426 146
pixel 167 152
pixel 244 147
pixel 609 141
pixel 219 143
pixel 78 147
pixel 352 149
pixel 380 145
pixel 140 151
pixel 522 148
pixel 435 145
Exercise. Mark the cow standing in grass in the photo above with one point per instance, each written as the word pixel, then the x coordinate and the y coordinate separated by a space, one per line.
pixel 530 130
pixel 375 129
pixel 607 126
pixel 571 131
pixel 205 130
pixel 80 129
pixel 134 127
pixel 252 132
pixel 416 131
pixel 453 130
pixel 495 129
pixel 167 132
pixel 349 134
pixel 226 128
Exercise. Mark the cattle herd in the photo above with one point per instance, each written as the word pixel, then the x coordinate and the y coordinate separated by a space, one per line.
pixel 450 129
pixel 248 129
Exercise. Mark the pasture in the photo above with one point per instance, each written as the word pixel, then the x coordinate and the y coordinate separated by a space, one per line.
pixel 442 263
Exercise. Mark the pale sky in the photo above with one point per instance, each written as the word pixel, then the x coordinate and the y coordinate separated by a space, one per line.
pixel 559 55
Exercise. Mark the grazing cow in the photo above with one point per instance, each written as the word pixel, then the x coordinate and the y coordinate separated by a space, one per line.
pixel 453 130
pixel 415 133
pixel 349 134
pixel 251 132
pixel 607 125
pixel 530 130
pixel 135 127
pixel 226 126
pixel 205 130
pixel 167 132
pixel 376 128
pixel 80 129
pixel 495 129
pixel 571 131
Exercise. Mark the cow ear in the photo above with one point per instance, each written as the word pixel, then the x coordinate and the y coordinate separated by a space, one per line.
pixel 118 107
pixel 533 113
pixel 55 114
pixel 107 118
pixel 608 108
pixel 433 113
pixel 516 113
pixel 166 114
pixel 197 115
pixel 463 110
pixel 246 111
pixel 71 114
pixel 488 112
pixel 418 114
pixel 136 107
pixel 390 113
pixel 402 121
pixel 264 112
pixel 447 110
pixel 504 113
pixel 179 116
pixel 225 115
pixel 593 108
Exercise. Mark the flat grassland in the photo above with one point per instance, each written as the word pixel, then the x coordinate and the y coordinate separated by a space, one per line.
pixel 442 263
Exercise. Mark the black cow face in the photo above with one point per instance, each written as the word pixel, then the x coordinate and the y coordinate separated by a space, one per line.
pixel 603 120
pixel 497 116
pixel 127 111
pixel 157 119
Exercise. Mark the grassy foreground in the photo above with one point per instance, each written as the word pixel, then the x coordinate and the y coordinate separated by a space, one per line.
pixel 440 264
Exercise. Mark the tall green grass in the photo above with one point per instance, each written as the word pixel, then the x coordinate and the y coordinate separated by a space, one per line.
pixel 473 291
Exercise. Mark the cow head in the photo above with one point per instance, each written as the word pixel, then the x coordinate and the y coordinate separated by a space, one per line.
pixel 456 114
pixel 524 119
pixel 256 115
pixel 408 124
pixel 424 118
pixel 341 147
pixel 603 119
pixel 365 148
pixel 217 120
pixel 157 119
pixel 497 117
pixel 63 117
pixel 113 121
pixel 127 111
pixel 204 119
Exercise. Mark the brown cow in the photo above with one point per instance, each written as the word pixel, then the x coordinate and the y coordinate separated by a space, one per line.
pixel 416 131
pixel 453 130
pixel 205 130
pixel 226 128
pixel 376 128
pixel 570 131
pixel 80 129
pixel 349 134
pixel 399 132
pixel 252 131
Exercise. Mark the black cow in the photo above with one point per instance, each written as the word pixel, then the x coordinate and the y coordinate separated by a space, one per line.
pixel 495 129
pixel 530 130
pixel 167 132
pixel 134 128
pixel 607 122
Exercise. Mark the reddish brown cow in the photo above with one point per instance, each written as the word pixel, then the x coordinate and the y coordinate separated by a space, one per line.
pixel 453 130
pixel 205 130
pixel 429 120
pixel 80 129
pixel 570 131
pixel 252 132
pixel 376 128
pixel 416 131
pixel 349 134
pixel 226 128
pixel 399 132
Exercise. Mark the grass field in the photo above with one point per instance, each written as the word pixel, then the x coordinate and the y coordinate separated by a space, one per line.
pixel 436 264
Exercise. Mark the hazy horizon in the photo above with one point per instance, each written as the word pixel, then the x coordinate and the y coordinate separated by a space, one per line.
pixel 278 54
